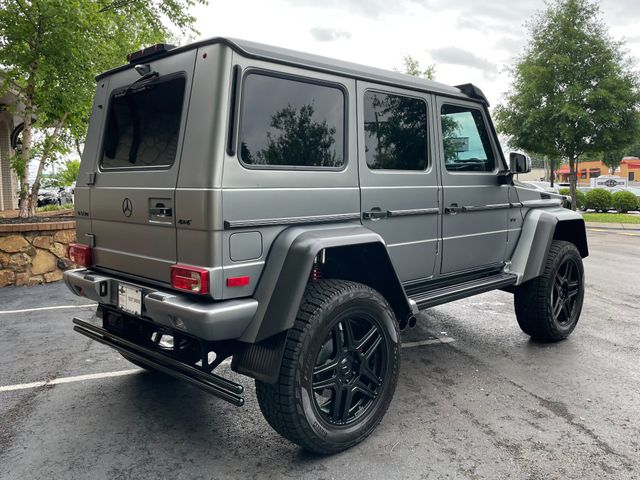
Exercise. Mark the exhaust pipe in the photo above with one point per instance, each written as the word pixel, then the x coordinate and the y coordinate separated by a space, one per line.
pixel 412 321
pixel 402 323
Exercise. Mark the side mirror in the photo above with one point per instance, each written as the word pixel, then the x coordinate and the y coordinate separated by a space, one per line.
pixel 519 163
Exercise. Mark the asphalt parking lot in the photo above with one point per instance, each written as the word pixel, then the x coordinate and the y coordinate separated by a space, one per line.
pixel 476 398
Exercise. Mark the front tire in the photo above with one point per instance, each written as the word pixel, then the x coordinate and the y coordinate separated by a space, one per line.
pixel 548 307
pixel 339 370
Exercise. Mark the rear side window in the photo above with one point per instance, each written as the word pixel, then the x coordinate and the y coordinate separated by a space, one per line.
pixel 395 132
pixel 290 123
pixel 143 125
pixel 465 140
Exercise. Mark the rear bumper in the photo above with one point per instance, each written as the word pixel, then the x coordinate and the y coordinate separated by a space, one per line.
pixel 208 320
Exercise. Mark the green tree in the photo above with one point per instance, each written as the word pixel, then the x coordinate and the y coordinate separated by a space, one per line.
pixel 64 177
pixel 411 66
pixel 573 90
pixel 50 52
pixel 612 159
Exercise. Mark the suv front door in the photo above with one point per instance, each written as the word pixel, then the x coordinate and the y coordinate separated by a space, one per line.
pixel 476 208
pixel 398 178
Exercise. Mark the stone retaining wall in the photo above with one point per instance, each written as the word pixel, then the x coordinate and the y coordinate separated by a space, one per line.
pixel 35 253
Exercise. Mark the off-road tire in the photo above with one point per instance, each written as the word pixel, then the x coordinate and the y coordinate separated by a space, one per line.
pixel 535 300
pixel 290 406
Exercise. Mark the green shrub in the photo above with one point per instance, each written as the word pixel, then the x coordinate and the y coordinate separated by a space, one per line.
pixel 599 200
pixel 580 197
pixel 624 201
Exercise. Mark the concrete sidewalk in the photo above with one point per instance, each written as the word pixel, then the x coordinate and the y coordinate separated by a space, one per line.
pixel 614 226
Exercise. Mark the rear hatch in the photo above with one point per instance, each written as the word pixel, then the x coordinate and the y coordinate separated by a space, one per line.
pixel 132 199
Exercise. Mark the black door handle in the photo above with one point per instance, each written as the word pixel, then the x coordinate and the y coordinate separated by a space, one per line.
pixel 375 214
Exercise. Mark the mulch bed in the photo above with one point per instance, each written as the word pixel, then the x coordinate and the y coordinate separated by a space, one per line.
pixel 44 217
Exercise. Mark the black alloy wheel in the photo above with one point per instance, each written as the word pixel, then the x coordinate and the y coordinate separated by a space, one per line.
pixel 349 371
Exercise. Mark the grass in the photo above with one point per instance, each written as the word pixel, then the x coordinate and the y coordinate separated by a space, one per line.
pixel 611 218
pixel 54 208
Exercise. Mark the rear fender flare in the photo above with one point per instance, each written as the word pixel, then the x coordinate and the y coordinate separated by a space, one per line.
pixel 286 273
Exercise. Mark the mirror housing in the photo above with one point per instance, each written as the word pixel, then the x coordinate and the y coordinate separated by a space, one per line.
pixel 519 162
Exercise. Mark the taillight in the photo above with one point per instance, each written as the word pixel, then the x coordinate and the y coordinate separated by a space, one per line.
pixel 80 254
pixel 190 279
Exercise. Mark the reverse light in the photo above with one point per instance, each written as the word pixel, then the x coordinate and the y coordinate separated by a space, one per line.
pixel 80 254
pixel 190 279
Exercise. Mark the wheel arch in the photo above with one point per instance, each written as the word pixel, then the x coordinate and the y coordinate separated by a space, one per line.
pixel 540 228
pixel 350 252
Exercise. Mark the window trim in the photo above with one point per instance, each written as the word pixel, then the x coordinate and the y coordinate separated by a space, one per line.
pixel 183 118
pixel 429 161
pixel 498 157
pixel 302 79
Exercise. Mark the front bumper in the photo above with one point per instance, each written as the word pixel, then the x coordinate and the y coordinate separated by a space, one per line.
pixel 205 319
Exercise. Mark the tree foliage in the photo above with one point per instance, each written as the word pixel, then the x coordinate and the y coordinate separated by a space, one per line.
pixel 411 66
pixel 296 139
pixel 573 89
pixel 51 51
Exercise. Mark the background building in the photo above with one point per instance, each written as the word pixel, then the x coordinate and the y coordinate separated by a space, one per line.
pixel 8 179
pixel 629 168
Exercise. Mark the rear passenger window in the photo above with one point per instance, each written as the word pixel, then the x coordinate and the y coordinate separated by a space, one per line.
pixel 395 132
pixel 143 125
pixel 465 140
pixel 290 123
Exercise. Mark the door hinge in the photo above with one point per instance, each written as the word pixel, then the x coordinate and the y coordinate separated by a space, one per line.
pixel 91 178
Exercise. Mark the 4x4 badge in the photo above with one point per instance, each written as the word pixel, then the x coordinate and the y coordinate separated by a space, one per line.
pixel 127 207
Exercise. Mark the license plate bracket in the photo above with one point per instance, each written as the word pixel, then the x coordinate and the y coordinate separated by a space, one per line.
pixel 129 299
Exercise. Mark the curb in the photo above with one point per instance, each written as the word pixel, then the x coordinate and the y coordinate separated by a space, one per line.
pixel 614 226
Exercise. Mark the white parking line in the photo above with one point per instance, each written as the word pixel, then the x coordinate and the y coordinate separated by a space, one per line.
pixel 121 373
pixel 79 378
pixel 40 309
pixel 433 341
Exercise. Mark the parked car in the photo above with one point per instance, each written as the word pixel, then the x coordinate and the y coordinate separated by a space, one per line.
pixel 542 186
pixel 295 213
pixel 48 196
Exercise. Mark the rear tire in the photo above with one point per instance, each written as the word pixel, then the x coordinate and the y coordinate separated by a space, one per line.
pixel 339 370
pixel 548 307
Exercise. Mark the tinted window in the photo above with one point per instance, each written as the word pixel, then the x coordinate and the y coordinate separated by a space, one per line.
pixel 465 140
pixel 291 123
pixel 395 132
pixel 143 125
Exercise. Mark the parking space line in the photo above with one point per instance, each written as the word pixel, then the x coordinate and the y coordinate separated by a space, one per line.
pixel 41 309
pixel 79 378
pixel 133 371
pixel 433 341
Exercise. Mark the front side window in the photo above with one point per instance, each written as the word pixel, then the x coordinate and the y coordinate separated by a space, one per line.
pixel 291 123
pixel 395 132
pixel 143 125
pixel 465 140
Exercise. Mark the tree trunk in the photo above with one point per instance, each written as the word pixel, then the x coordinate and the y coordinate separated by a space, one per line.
pixel 551 172
pixel 572 181
pixel 26 152
pixel 49 143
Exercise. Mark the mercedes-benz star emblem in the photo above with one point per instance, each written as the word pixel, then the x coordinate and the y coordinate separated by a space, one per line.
pixel 127 207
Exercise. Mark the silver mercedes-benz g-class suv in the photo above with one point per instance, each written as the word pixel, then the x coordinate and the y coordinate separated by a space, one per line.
pixel 294 213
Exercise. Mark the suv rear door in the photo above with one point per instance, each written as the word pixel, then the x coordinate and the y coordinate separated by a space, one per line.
pixel 136 168
pixel 398 177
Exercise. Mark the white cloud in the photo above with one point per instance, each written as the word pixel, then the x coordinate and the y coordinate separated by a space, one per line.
pixel 328 34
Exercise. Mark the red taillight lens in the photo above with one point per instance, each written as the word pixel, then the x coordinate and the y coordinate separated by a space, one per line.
pixel 80 254
pixel 190 279
pixel 238 281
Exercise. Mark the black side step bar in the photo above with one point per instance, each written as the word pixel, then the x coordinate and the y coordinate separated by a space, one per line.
pixel 438 296
pixel 209 382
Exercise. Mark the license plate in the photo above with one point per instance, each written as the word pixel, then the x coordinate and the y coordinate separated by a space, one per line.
pixel 129 299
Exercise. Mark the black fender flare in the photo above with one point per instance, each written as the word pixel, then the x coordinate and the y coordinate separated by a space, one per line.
pixel 289 263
